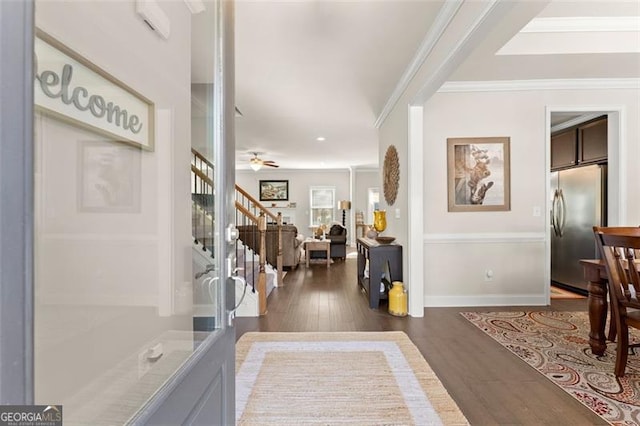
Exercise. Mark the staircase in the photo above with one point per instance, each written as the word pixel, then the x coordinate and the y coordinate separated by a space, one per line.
pixel 259 275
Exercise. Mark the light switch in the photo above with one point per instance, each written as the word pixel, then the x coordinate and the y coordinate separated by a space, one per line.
pixel 397 213
pixel 536 211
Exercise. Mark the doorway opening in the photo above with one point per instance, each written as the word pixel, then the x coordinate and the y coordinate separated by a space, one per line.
pixel 584 178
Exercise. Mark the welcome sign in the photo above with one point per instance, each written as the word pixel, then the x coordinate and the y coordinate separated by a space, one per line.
pixel 69 86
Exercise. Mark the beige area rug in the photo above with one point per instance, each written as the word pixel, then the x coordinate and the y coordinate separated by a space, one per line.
pixel 375 378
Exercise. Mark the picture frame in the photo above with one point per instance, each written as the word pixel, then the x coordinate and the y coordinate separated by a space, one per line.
pixel 274 190
pixel 478 174
pixel 109 177
pixel 98 101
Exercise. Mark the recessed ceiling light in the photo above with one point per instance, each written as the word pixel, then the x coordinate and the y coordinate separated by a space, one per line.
pixel 320 138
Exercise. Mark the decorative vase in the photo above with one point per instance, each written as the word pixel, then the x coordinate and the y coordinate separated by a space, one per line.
pixel 371 233
pixel 380 220
pixel 398 300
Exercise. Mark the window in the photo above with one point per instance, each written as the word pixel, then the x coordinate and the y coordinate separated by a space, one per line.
pixel 322 203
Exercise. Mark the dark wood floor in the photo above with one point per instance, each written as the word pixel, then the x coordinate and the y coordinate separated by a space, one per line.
pixel 490 385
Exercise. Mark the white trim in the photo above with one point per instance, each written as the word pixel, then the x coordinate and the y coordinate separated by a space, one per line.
pixel 484 238
pixel 622 165
pixel 575 121
pixel 448 65
pixel 436 30
pixel 586 24
pixel 415 250
pixel 616 154
pixel 549 84
pixel 166 218
pixel 617 150
pixel 487 300
pixel 548 202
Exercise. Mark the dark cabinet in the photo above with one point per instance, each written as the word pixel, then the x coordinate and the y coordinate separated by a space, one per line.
pixel 372 257
pixel 564 149
pixel 583 144
pixel 592 141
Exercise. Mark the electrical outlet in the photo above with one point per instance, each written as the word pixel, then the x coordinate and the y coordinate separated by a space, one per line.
pixel 488 275
pixel 537 211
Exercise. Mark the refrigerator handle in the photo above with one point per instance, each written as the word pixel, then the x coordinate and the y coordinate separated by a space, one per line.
pixel 554 219
pixel 562 216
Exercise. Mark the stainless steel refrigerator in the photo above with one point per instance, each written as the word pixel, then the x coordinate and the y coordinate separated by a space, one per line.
pixel 579 203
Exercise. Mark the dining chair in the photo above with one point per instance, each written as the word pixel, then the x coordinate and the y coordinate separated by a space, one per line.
pixel 619 250
pixel 611 335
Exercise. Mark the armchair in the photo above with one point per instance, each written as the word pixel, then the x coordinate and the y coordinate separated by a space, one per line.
pixel 338 237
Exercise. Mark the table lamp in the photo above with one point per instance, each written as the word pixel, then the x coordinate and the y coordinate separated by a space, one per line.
pixel 344 205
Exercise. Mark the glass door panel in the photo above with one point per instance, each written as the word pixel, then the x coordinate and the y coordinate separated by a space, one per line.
pixel 128 262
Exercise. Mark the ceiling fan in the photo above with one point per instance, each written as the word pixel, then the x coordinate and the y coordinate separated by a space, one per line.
pixel 256 162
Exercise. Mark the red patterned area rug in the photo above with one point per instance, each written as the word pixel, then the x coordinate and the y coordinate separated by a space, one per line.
pixel 557 345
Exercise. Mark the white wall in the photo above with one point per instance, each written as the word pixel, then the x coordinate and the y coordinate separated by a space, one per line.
pixel 299 183
pixel 460 247
pixel 365 179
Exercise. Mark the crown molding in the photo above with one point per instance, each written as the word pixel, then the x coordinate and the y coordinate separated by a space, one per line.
pixel 550 84
pixel 448 65
pixel 583 24
pixel 442 21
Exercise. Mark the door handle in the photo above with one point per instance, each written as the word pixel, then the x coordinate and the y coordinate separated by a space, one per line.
pixel 563 215
pixel 554 219
pixel 232 233
pixel 232 313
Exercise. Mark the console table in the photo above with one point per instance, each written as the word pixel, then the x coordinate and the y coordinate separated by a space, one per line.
pixel 377 254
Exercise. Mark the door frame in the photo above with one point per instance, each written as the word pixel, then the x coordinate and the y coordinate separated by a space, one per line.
pixel 616 182
pixel 193 395
pixel 16 209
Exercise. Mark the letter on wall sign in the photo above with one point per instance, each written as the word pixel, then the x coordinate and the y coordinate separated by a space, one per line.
pixel 70 87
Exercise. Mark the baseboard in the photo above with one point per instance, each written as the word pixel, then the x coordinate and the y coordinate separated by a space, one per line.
pixel 486 300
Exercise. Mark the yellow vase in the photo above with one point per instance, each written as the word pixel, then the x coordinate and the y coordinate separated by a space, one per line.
pixel 398 300
pixel 380 220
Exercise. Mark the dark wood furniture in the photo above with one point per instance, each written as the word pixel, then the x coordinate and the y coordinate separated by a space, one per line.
pixel 619 247
pixel 563 149
pixel 592 141
pixel 377 254
pixel 583 144
pixel 596 274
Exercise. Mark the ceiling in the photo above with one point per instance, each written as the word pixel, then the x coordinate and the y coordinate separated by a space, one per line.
pixel 307 69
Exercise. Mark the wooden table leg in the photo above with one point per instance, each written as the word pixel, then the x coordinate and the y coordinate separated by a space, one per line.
pixel 597 315
pixel 307 255
pixel 328 254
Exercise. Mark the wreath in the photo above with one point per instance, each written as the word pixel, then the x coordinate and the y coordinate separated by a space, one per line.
pixel 391 175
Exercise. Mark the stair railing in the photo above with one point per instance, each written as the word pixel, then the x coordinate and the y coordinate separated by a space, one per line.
pixel 249 211
pixel 254 206
pixel 202 208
